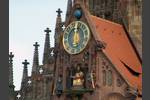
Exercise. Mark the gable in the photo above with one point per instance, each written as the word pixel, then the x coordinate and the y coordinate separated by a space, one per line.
pixel 119 49
pixel 85 18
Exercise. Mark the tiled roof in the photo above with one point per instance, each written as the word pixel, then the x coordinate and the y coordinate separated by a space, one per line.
pixel 119 50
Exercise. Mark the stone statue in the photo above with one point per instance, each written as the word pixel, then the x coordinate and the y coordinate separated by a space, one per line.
pixel 59 86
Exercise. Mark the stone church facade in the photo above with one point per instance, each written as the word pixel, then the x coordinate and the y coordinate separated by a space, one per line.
pixel 95 56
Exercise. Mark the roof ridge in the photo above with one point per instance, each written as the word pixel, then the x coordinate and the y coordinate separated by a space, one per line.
pixel 107 21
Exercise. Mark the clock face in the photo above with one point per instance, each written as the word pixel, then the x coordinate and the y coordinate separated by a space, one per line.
pixel 76 37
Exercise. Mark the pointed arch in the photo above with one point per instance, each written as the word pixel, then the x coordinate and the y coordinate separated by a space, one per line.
pixel 104 77
pixel 109 78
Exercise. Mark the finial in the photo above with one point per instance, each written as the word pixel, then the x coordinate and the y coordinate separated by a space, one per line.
pixel 11 55
pixel 25 62
pixel 41 70
pixel 59 12
pixel 29 81
pixel 36 44
pixel 25 70
pixel 18 96
pixel 47 30
pixel 35 58
pixel 46 46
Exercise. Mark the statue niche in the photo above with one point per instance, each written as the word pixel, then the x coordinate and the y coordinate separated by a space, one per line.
pixel 77 82
pixel 59 86
pixel 78 78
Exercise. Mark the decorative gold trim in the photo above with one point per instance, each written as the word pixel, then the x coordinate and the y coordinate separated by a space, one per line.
pixel 88 31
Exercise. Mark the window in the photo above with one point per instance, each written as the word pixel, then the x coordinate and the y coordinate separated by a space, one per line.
pixel 107 74
pixel 104 77
pixel 109 77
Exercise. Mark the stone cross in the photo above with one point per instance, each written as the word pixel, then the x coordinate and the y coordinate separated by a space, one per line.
pixel 59 12
pixel 11 55
pixel 25 62
pixel 36 44
pixel 47 30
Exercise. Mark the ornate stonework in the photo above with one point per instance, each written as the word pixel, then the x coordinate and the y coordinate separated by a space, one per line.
pixel 93 73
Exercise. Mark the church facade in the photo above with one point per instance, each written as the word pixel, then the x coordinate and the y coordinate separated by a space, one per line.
pixel 96 55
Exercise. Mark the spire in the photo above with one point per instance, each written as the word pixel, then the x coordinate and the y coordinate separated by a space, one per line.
pixel 58 27
pixel 35 59
pixel 25 70
pixel 11 69
pixel 46 46
pixel 58 20
pixel 69 7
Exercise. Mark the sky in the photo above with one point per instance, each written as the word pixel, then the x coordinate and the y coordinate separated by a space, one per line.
pixel 27 21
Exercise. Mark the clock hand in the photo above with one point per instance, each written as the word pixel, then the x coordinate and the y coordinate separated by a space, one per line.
pixel 76 26
pixel 76 35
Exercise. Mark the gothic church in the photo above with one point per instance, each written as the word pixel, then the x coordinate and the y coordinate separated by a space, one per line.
pixel 97 55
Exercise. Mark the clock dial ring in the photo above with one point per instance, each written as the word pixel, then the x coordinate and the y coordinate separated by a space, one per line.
pixel 76 37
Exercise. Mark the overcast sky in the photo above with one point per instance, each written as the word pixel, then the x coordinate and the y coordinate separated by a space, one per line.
pixel 27 21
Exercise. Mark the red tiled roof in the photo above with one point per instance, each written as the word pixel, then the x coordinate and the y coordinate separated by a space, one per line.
pixel 119 50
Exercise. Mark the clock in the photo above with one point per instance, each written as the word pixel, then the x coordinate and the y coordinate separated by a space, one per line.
pixel 76 37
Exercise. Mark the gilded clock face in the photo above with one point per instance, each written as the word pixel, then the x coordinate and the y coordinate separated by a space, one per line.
pixel 76 37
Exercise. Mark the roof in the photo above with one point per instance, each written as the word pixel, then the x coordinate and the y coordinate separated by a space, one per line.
pixel 119 50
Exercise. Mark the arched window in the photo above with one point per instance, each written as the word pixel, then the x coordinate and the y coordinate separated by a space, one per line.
pixel 109 78
pixel 104 77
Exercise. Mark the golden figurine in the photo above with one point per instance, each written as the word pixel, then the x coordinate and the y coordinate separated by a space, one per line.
pixel 78 79
pixel 76 37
